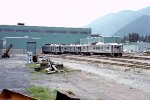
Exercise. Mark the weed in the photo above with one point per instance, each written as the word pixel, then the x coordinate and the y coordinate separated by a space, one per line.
pixel 33 66
pixel 66 69
pixel 42 93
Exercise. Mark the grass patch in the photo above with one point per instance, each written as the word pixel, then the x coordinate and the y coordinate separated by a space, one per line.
pixel 37 76
pixel 68 69
pixel 42 93
pixel 33 66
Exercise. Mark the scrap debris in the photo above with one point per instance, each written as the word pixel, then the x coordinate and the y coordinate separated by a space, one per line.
pixel 48 65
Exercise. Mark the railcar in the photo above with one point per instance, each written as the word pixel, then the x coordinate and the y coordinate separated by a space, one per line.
pixel 108 49
pixel 73 49
pixel 53 48
pixel 46 49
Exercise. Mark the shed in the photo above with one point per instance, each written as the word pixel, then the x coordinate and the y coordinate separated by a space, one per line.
pixel 136 47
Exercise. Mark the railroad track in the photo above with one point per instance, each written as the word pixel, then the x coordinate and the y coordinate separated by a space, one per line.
pixel 123 61
pixel 117 63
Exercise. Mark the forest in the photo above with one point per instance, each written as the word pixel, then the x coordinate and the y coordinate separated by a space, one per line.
pixel 135 37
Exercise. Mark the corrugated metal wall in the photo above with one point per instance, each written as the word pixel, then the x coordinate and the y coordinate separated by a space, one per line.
pixel 111 39
pixel 100 39
pixel 53 35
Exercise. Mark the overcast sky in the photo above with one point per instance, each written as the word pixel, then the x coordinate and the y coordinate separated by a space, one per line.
pixel 62 13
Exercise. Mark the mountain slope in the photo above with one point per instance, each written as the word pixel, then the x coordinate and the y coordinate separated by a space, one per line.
pixel 141 25
pixel 110 24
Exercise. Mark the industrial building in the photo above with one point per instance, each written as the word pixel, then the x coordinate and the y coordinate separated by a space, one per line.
pixel 97 38
pixel 32 38
pixel 136 47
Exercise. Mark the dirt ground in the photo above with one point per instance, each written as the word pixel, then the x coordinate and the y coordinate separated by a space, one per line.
pixel 14 75
pixel 85 84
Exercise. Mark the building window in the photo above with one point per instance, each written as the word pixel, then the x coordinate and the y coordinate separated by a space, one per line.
pixel 74 32
pixel 83 32
pixel 61 31
pixel 49 31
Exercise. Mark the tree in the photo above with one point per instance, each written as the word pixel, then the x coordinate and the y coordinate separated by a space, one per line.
pixel 134 37
pixel 149 38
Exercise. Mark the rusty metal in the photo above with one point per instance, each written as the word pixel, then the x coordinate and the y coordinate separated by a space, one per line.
pixel 6 51
pixel 11 95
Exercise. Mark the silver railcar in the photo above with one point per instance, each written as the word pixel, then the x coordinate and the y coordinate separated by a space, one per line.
pixel 108 49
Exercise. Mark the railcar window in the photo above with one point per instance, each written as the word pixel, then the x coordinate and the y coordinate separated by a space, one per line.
pixel 117 47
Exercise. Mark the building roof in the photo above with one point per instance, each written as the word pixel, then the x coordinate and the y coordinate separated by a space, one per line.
pixel 42 29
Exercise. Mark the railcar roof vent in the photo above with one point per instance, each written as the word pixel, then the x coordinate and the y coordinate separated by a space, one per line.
pixel 20 23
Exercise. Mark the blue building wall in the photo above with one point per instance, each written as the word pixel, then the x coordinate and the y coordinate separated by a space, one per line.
pixel 90 40
pixel 41 35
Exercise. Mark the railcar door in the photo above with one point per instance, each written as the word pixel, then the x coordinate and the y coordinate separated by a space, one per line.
pixel 112 50
pixel 59 49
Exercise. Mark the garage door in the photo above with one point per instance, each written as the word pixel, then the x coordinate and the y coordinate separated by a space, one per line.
pixel 31 47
